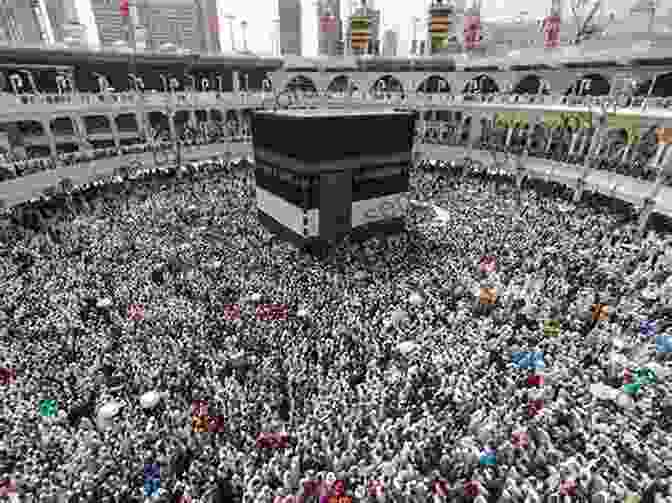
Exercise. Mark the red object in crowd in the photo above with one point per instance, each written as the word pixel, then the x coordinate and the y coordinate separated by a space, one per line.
pixel 123 8
pixel 440 488
pixel 136 312
pixel 568 488
pixel 323 488
pixel 471 489
pixel 288 499
pixel 534 407
pixel 376 487
pixel 199 408
pixel 340 499
pixel 232 312
pixel 272 440
pixel 216 424
pixel 627 376
pixel 535 380
pixel 7 376
pixel 271 312
pixel 520 439
pixel 8 487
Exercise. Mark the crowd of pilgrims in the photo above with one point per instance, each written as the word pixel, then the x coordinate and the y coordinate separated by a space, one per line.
pixel 184 244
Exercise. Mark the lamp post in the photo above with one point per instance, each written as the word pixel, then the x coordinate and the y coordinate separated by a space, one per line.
pixel 243 27
pixel 192 79
pixel 649 92
pixel 31 79
pixel 414 27
pixel 60 83
pixel 230 18
pixel 173 84
pixel 136 82
pixel 278 47
pixel 266 85
pixel 103 82
pixel 585 86
pixel 164 81
pixel 218 78
pixel 16 82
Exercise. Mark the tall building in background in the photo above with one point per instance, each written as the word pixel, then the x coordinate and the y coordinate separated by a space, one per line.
pixel 186 23
pixel 373 17
pixel 61 13
pixel 390 43
pixel 445 19
pixel 330 30
pixel 290 27
pixel 209 19
pixel 25 22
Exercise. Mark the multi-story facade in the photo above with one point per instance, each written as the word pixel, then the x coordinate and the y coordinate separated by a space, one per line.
pixel 290 27
pixel 390 42
pixel 444 26
pixel 23 22
pixel 61 13
pixel 186 23
pixel 330 27
pixel 374 30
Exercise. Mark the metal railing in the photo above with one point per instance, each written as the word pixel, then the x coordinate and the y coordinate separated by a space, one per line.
pixel 419 99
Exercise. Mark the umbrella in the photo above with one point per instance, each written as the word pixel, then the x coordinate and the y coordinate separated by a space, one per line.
pixel 415 299
pixel 625 401
pixel 149 400
pixel 360 275
pixel 109 410
pixel 398 316
pixel 238 359
pixel 104 302
pixel 407 347
pixel 661 372
pixel 603 392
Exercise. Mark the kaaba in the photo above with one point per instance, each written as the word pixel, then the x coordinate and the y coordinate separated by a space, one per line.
pixel 322 175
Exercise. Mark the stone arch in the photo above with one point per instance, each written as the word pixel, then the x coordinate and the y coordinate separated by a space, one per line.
pixel 434 84
pixel 63 126
pixel 126 123
pixel 301 83
pixel 663 86
pixel 388 83
pixel 596 85
pixel 98 123
pixel 482 83
pixel 342 84
pixel 181 120
pixel 158 121
pixel 532 84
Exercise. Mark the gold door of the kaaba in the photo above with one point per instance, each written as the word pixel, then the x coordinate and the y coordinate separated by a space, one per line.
pixel 335 205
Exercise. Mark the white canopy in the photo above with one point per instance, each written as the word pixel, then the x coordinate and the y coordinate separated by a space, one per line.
pixel 408 347
pixel 149 400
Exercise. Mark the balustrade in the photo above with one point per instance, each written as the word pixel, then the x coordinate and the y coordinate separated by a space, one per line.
pixel 410 98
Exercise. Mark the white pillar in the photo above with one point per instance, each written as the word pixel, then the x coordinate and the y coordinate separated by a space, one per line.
pixel 82 12
pixel 45 22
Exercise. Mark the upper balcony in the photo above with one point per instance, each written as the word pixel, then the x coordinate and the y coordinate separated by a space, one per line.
pixel 15 107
